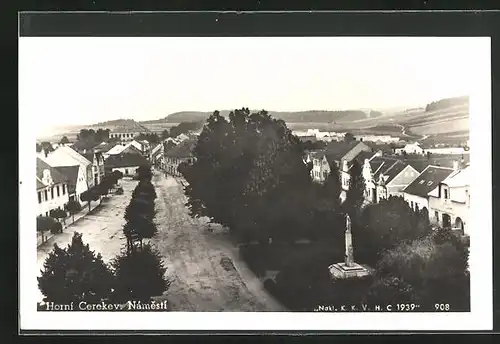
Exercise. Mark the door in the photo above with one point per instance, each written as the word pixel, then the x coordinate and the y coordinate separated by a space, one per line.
pixel 446 221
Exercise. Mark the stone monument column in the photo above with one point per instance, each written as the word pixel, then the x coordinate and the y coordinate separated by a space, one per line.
pixel 349 255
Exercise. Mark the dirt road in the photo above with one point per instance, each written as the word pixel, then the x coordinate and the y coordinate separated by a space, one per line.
pixel 204 268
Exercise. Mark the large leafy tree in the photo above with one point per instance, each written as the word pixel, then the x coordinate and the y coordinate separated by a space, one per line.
pixel 74 274
pixel 242 166
pixel 73 207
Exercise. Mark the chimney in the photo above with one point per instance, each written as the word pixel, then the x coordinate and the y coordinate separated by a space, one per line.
pixel 46 152
pixel 456 165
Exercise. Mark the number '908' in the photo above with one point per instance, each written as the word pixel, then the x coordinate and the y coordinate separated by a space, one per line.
pixel 442 307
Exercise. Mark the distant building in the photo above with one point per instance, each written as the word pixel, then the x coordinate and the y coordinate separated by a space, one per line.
pixel 128 132
pixel 51 188
pixel 309 138
pixel 125 162
pixel 176 155
pixel 411 148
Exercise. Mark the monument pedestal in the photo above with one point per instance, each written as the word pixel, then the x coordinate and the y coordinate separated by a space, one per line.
pixel 342 271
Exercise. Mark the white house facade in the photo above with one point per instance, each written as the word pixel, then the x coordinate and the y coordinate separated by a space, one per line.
pixel 449 204
pixel 52 188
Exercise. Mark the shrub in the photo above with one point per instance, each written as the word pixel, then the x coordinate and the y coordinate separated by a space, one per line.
pixel 75 274
pixel 390 290
pixel 139 275
pixel 435 269
pixel 383 226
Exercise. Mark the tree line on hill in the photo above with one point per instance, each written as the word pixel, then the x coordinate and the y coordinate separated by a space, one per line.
pixel 248 175
pixel 446 103
pixel 76 273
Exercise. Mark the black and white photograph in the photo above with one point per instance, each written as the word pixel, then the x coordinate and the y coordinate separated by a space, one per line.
pixel 332 183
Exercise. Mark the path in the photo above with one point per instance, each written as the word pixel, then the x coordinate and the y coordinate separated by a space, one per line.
pixel 205 271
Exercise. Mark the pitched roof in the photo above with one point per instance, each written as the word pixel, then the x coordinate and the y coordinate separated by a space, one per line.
pixel 428 180
pixel 335 151
pixel 66 156
pixel 104 147
pixel 458 178
pixel 117 149
pixel 84 144
pixel 71 175
pixel 393 170
pixel 131 127
pixel 41 166
pixel 39 184
pixel 182 150
pixel 125 160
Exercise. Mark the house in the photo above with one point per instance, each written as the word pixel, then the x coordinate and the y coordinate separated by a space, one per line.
pixel 157 155
pixel 183 152
pixel 125 162
pixel 51 188
pixel 182 137
pixel 128 131
pixel 66 156
pixel 416 194
pixel 97 160
pixel 335 152
pixel 307 138
pixel 116 149
pixel 76 181
pixel 385 177
pixel 411 148
pixel 142 146
pixel 449 204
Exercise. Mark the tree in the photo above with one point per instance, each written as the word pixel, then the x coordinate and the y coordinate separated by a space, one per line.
pixel 117 175
pixel 332 186
pixel 38 148
pixel 165 134
pixel 75 274
pixel 144 172
pixel 58 214
pixel 349 137
pixel 87 196
pixel 73 207
pixel 144 189
pixel 139 275
pixel 44 224
pixel 64 140
pixel 384 225
pixel 355 194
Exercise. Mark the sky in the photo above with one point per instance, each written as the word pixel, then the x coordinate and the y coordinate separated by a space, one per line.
pixel 85 80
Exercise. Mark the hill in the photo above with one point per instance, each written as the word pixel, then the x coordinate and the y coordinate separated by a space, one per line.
pixel 317 116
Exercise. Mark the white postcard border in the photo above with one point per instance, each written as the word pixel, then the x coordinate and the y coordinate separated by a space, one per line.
pixel 480 317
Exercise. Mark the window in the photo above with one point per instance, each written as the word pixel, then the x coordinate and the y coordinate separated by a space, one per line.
pixel 422 181
pixel 446 196
pixel 39 197
pixel 436 215
pixel 429 183
pixel 58 192
pixel 52 193
pixel 411 204
pixel 46 213
pixel 126 171
pixel 45 194
pixel 64 189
